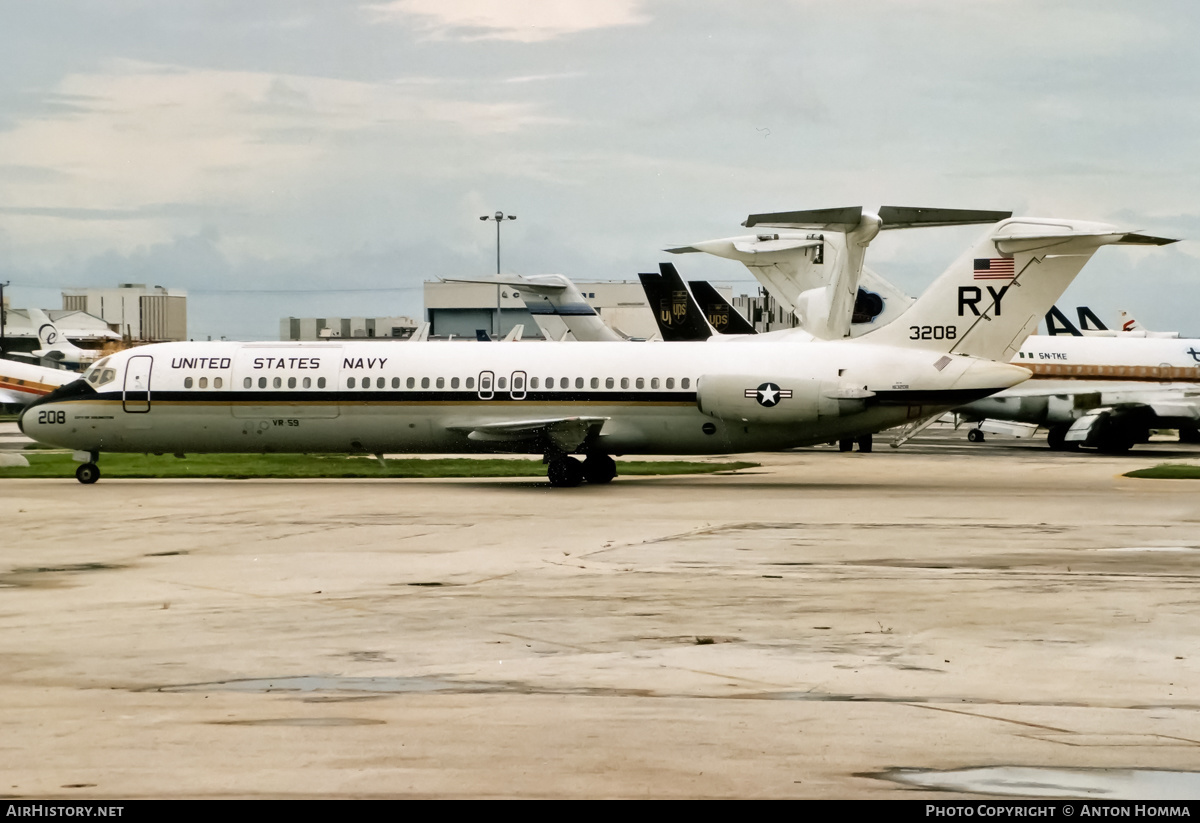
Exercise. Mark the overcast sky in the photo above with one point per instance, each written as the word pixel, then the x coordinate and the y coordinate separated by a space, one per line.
pixel 311 157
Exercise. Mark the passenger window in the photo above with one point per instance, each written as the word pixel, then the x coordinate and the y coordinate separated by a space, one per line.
pixel 307 382
pixel 262 382
pixel 411 382
pixel 424 382
pixel 608 383
pixel 624 382
pixel 203 382
pixel 653 383
pixel 670 382
pixel 366 383
pixel 685 382
pixel 187 382
pixel 470 382
pixel 549 382
pixel 291 383
pixel 247 383
pixel 518 383
pixel 533 382
pixel 320 382
pixel 454 382
pixel 395 382
pixel 216 382
pixel 277 382
pixel 641 383
pixel 441 382
pixel 565 382
pixel 380 383
pixel 502 383
pixel 579 382
pixel 350 381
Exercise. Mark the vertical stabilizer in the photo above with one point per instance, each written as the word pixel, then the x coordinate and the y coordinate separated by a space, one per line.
pixel 676 312
pixel 554 301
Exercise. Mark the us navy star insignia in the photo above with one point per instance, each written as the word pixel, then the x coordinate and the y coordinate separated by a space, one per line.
pixel 769 394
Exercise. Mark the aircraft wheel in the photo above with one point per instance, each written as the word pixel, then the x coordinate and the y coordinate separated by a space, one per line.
pixel 975 436
pixel 87 473
pixel 845 445
pixel 564 472
pixel 1056 438
pixel 599 468
pixel 864 444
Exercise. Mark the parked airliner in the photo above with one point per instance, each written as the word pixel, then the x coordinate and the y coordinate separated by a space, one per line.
pixel 592 399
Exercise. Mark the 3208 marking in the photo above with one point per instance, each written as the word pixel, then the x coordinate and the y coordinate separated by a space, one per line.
pixel 933 332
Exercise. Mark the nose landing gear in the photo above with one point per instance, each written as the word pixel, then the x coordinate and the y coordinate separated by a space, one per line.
pixel 89 472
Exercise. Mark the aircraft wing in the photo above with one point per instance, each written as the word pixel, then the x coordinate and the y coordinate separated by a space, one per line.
pixel 567 433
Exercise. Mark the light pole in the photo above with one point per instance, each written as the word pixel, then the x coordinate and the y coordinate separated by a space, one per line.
pixel 499 217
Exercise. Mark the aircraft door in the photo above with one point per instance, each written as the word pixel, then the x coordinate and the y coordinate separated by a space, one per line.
pixel 487 382
pixel 518 385
pixel 136 397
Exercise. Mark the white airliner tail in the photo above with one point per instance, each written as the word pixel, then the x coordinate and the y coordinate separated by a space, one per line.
pixel 992 297
pixel 553 300
pixel 55 345
pixel 814 266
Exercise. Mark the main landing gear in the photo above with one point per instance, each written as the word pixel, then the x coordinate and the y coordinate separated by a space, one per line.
pixel 565 471
pixel 975 435
pixel 864 443
pixel 89 472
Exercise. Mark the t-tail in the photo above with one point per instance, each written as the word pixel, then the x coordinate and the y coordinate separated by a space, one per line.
pixel 555 303
pixel 992 297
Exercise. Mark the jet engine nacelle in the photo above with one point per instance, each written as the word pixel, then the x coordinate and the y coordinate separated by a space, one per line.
pixel 771 399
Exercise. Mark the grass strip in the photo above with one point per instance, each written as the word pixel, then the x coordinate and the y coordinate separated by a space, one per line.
pixel 1168 471
pixel 246 466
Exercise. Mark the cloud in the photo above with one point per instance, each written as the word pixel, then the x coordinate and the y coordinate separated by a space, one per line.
pixel 525 21
pixel 118 144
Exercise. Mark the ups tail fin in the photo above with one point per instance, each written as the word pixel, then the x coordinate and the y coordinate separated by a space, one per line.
pixel 724 318
pixel 991 298
pixel 675 310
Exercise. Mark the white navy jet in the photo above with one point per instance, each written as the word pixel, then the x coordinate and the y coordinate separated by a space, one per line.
pixel 589 399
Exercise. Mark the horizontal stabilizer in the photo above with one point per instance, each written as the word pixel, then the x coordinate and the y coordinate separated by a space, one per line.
pixel 1019 241
pixel 892 217
pixel 543 282
pixel 843 219
pixel 1144 240
pixel 905 217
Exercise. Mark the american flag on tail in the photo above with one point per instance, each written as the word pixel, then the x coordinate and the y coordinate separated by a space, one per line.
pixel 994 268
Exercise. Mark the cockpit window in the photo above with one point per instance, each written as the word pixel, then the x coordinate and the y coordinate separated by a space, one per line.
pixel 97 375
